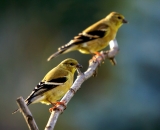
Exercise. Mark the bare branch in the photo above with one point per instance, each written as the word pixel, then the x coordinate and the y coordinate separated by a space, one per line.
pixel 80 79
pixel 27 114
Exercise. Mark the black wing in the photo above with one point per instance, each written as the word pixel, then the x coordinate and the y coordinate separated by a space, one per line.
pixel 59 80
pixel 43 87
pixel 88 35
pixel 84 37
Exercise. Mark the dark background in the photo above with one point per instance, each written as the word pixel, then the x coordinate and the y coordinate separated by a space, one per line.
pixel 122 97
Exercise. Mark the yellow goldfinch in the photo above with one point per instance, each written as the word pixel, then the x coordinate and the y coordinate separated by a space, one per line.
pixel 94 38
pixel 55 83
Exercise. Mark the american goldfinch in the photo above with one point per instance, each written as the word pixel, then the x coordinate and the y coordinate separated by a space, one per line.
pixel 55 83
pixel 94 38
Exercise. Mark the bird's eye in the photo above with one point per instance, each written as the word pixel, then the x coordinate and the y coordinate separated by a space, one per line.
pixel 71 64
pixel 119 17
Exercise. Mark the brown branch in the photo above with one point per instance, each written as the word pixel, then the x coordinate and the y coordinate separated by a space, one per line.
pixel 27 114
pixel 80 79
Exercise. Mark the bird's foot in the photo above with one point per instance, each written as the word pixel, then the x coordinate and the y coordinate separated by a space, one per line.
pixel 56 106
pixel 97 57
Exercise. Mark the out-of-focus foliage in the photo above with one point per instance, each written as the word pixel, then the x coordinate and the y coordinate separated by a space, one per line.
pixel 120 98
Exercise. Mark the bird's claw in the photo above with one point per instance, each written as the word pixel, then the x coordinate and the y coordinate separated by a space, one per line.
pixel 99 57
pixel 56 106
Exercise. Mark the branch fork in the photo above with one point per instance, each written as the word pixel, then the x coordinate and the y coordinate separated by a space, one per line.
pixel 77 84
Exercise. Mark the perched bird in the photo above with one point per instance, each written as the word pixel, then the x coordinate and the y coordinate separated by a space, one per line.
pixel 94 38
pixel 55 83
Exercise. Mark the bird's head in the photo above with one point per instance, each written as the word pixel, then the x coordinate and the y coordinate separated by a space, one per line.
pixel 70 64
pixel 116 19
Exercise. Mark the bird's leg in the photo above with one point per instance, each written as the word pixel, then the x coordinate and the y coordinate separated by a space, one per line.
pixel 55 107
pixel 53 104
pixel 101 55
pixel 95 59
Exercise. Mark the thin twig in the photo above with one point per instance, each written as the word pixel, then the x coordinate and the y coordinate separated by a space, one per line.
pixel 27 114
pixel 80 79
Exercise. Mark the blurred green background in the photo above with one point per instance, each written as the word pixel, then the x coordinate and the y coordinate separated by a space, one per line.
pixel 122 97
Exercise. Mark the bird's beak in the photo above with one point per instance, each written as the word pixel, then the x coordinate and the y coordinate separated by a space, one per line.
pixel 125 21
pixel 79 66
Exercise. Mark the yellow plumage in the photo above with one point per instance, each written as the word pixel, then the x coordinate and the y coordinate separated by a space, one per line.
pixel 55 83
pixel 94 38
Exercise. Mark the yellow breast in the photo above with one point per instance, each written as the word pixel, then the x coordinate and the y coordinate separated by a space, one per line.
pixel 52 96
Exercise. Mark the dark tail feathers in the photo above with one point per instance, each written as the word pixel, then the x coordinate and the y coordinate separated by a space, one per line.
pixel 19 109
pixel 56 54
